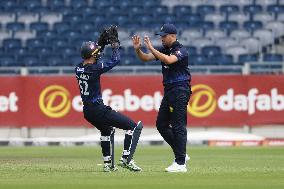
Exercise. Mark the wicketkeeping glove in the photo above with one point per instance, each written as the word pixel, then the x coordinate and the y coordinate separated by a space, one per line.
pixel 103 39
pixel 113 36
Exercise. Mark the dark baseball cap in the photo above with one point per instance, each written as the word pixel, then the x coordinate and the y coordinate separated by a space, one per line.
pixel 167 29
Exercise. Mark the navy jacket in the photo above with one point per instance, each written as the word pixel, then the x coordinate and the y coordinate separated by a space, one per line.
pixel 88 77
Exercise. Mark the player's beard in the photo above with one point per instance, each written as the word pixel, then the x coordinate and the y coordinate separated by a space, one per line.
pixel 164 43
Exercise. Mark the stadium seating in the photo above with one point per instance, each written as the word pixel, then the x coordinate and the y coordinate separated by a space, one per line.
pixel 15 26
pixel 42 51
pixel 199 60
pixel 30 60
pixel 210 51
pixel 7 60
pixel 7 18
pixel 216 18
pixel 5 35
pixel 229 9
pixel 252 44
pixel 220 32
pixel 263 17
pixel 247 58
pixel 273 58
pixel 11 43
pixel 39 26
pixel 223 59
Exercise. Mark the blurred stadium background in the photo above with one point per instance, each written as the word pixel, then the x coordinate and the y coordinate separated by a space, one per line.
pixel 232 44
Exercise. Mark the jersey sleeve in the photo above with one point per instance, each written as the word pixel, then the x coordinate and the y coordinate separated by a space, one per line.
pixel 160 49
pixel 180 53
pixel 104 66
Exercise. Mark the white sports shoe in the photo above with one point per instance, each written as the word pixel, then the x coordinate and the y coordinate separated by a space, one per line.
pixel 176 168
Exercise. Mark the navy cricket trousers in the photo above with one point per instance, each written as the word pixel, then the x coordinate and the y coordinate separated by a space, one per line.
pixel 104 118
pixel 172 120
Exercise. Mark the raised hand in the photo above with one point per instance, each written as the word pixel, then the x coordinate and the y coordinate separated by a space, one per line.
pixel 148 42
pixel 136 42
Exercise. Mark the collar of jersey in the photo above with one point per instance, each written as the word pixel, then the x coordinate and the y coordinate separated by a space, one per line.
pixel 174 45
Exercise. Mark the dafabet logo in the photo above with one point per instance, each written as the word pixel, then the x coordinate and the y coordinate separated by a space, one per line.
pixel 54 101
pixel 203 101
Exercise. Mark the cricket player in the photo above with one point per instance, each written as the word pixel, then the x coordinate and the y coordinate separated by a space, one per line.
pixel 88 74
pixel 172 117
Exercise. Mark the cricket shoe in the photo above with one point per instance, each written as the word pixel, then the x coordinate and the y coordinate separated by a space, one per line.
pixel 131 165
pixel 176 168
pixel 109 168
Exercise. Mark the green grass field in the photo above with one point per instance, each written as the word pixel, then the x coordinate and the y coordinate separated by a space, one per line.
pixel 76 167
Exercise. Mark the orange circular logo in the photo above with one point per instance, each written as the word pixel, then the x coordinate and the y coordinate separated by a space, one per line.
pixel 203 101
pixel 54 101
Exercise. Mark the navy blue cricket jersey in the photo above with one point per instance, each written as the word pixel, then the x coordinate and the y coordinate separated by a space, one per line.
pixel 177 72
pixel 88 77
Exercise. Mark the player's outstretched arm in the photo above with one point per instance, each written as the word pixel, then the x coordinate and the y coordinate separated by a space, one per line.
pixel 167 59
pixel 112 38
pixel 145 57
pixel 115 59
